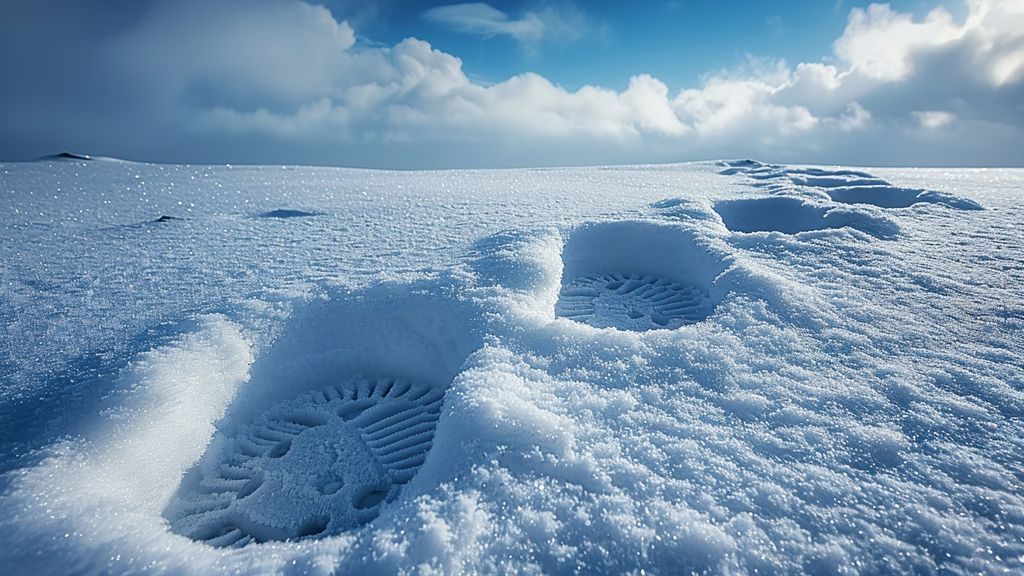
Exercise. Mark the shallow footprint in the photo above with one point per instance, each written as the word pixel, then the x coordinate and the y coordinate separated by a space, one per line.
pixel 632 302
pixel 320 464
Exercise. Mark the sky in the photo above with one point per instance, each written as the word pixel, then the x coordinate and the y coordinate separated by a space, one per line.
pixel 416 84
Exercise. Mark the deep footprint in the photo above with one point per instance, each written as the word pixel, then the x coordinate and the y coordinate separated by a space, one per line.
pixel 320 464
pixel 632 302
pixel 794 215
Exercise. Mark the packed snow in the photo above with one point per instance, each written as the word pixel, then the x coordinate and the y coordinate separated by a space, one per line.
pixel 719 367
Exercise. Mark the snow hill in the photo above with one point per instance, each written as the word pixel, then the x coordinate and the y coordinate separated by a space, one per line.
pixel 728 367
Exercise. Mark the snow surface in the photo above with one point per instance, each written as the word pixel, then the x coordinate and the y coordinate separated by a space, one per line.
pixel 717 367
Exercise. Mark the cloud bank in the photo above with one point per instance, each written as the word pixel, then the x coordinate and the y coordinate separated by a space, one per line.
pixel 284 81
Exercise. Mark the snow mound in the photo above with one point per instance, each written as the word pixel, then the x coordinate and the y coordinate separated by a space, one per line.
pixel 844 186
pixel 78 157
pixel 288 213
pixel 68 156
pixel 165 218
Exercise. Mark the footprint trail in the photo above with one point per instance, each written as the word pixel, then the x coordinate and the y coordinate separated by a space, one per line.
pixel 843 186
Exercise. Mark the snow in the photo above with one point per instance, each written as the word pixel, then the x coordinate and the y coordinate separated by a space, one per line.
pixel 725 367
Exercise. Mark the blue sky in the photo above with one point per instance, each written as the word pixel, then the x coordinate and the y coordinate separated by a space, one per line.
pixel 676 41
pixel 409 84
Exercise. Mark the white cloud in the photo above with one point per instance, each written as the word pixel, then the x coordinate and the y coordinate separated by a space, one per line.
pixel 562 22
pixel 882 44
pixel 888 66
pixel 286 78
pixel 887 46
pixel 485 20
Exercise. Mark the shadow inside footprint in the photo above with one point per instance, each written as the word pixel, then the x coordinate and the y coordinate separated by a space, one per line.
pixel 793 215
pixel 888 196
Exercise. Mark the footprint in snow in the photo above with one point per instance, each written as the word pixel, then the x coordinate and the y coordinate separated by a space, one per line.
pixel 322 463
pixel 637 276
pixel 632 302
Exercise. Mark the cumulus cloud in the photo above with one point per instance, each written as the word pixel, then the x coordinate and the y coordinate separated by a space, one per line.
pixel 888 46
pixel 285 81
pixel 477 18
pixel 882 45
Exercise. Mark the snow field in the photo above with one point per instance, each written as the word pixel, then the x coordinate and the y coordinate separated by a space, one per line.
pixel 722 383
